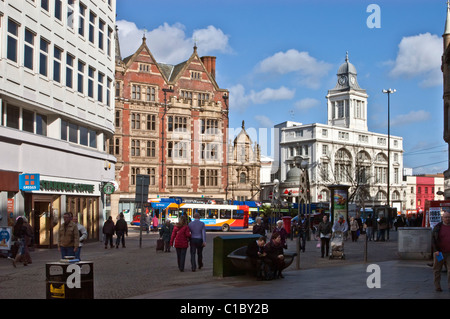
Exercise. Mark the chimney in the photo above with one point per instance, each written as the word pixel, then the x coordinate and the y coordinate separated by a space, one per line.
pixel 210 64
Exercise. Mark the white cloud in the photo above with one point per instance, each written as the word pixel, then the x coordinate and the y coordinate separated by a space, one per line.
pixel 239 99
pixel 264 121
pixel 306 103
pixel 169 43
pixel 309 68
pixel 411 117
pixel 420 55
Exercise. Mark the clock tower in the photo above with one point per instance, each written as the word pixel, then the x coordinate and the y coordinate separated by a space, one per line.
pixel 347 102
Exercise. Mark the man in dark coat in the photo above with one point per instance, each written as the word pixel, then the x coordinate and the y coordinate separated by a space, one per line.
pixel 121 230
pixel 108 231
pixel 255 251
pixel 274 250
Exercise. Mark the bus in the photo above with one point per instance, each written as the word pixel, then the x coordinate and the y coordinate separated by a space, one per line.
pixel 218 217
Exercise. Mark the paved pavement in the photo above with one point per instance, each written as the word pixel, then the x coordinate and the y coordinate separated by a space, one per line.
pixel 143 273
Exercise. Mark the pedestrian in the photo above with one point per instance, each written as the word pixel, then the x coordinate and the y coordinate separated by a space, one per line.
pixel 83 235
pixel 441 248
pixel 256 253
pixel 29 241
pixel 324 230
pixel 21 232
pixel 369 227
pixel 166 233
pixel 259 228
pixel 282 232
pixel 180 240
pixel 155 223
pixel 198 240
pixel 274 250
pixel 354 228
pixel 340 225
pixel 121 229
pixel 303 226
pixel 108 231
pixel 382 226
pixel 68 240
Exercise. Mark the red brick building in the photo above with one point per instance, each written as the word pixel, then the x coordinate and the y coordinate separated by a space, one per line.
pixel 171 124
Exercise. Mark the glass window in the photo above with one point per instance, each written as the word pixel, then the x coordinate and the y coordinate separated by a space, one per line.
pixel 73 133
pixel 28 50
pixel 70 13
pixel 100 87
pixel 28 121
pixel 43 58
pixel 101 30
pixel 12 116
pixel 57 64
pixel 80 76
pixel 41 124
pixel 13 33
pixel 91 73
pixel 91 26
pixel 92 138
pixel 83 136
pixel 44 5
pixel 58 9
pixel 64 126
pixel 69 70
pixel 82 12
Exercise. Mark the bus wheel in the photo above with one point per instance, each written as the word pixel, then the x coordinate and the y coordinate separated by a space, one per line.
pixel 225 227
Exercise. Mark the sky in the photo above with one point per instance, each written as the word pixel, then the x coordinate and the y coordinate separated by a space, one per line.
pixel 278 59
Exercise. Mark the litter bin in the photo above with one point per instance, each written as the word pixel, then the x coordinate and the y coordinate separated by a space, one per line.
pixel 287 223
pixel 70 280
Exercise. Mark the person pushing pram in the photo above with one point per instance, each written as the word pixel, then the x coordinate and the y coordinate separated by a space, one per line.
pixel 337 239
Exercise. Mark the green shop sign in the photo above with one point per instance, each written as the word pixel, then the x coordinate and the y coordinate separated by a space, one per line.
pixel 66 187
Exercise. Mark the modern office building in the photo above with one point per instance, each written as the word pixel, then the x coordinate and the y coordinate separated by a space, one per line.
pixel 56 112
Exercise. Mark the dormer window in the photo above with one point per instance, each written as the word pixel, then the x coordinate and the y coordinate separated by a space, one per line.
pixel 195 75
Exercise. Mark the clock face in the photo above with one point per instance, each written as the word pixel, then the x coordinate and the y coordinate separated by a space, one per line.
pixel 342 79
pixel 352 80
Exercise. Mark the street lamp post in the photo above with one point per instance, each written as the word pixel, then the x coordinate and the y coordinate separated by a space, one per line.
pixel 302 184
pixel 389 92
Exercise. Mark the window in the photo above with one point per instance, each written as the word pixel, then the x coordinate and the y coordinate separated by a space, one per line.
pixel 136 92
pixel 64 126
pixel 151 149
pixel 70 13
pixel 242 178
pixel 57 53
pixel 28 121
pixel 93 138
pixel 108 43
pixel 152 173
pixel 69 70
pixel 117 118
pixel 209 177
pixel 134 172
pixel 176 176
pixel 151 122
pixel 209 126
pixel 108 91
pixel 80 78
pixel 73 133
pixel 100 87
pixel 44 5
pixel 28 49
pixel 101 32
pixel 91 73
pixel 82 12
pixel 83 136
pixel 135 121
pixel 13 33
pixel 41 124
pixel 43 57
pixel 91 26
pixel 150 94
pixel 177 124
pixel 324 150
pixel 58 9
pixel 12 116
pixel 135 148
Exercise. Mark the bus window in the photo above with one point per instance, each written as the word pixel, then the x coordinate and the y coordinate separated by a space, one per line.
pixel 201 212
pixel 225 213
pixel 238 214
pixel 213 213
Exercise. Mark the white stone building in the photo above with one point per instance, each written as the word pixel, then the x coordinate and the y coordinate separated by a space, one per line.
pixel 57 110
pixel 342 151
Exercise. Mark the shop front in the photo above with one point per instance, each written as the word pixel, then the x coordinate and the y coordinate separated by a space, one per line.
pixel 56 196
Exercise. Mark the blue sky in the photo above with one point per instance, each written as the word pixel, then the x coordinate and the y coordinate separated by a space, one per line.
pixel 279 58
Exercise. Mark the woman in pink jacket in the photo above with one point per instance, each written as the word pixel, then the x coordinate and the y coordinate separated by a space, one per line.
pixel 180 240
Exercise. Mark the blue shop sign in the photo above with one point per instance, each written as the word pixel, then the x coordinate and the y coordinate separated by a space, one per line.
pixel 29 182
